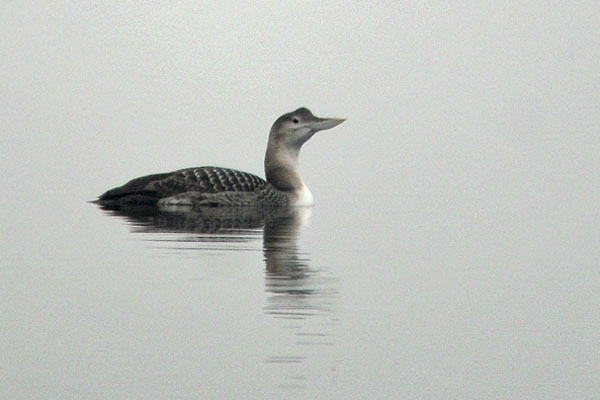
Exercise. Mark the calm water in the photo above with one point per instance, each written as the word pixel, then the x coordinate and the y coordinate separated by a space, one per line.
pixel 310 304
pixel 454 250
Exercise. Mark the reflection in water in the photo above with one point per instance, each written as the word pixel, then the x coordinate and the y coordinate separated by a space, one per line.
pixel 182 220
pixel 300 295
pixel 297 289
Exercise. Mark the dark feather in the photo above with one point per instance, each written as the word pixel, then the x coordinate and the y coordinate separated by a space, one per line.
pixel 148 190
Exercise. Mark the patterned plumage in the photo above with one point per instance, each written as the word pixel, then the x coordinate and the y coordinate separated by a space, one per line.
pixel 207 180
pixel 201 186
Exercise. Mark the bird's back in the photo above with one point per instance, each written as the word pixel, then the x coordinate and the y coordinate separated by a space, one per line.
pixel 211 181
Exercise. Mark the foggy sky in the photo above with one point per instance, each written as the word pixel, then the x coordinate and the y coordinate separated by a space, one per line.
pixel 485 102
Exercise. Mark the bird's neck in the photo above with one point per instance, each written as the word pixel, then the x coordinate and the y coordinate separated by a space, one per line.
pixel 282 168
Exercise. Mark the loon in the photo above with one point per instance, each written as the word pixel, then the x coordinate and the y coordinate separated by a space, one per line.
pixel 216 186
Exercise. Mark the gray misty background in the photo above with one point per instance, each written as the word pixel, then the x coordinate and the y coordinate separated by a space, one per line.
pixel 472 139
pixel 482 103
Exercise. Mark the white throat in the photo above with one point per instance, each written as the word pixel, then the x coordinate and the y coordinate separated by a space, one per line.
pixel 303 197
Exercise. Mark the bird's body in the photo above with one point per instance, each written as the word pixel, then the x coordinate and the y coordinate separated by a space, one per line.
pixel 201 186
pixel 216 186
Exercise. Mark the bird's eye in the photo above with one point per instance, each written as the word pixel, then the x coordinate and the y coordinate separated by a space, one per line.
pixel 295 120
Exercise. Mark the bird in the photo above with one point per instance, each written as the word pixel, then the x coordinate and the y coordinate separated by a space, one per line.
pixel 225 187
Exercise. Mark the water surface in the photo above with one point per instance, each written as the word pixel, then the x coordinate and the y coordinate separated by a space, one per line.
pixel 453 251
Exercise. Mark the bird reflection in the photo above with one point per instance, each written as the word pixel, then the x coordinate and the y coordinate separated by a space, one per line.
pixel 297 288
pixel 289 277
pixel 302 296
pixel 288 270
pixel 206 220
